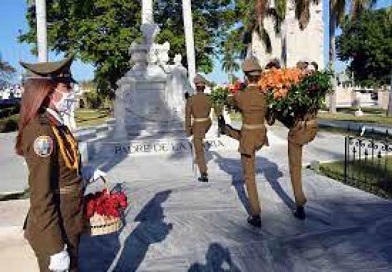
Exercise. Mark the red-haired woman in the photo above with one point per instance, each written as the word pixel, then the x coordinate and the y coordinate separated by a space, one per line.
pixel 55 218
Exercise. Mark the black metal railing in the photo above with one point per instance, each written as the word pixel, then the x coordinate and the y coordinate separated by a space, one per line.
pixel 368 162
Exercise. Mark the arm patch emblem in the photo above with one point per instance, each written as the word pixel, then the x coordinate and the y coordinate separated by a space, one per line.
pixel 43 146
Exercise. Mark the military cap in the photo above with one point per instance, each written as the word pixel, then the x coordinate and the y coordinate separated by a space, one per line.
pixel 314 65
pixel 57 70
pixel 274 63
pixel 200 80
pixel 250 66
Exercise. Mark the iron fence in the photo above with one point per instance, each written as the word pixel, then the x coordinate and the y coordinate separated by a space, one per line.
pixel 368 162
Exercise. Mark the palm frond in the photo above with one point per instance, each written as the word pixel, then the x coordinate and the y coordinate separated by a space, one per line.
pixel 359 6
pixel 260 8
pixel 271 12
pixel 281 6
pixel 338 8
pixel 302 13
pixel 263 35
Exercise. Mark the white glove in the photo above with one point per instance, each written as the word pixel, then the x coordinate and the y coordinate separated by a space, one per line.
pixel 60 262
pixel 97 174
pixel 89 174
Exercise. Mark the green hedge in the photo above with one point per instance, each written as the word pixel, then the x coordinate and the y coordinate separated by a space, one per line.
pixel 93 100
pixel 8 110
pixel 375 181
pixel 9 124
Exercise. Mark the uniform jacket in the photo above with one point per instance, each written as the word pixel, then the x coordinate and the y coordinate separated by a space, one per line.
pixel 53 215
pixel 197 106
pixel 253 107
pixel 304 130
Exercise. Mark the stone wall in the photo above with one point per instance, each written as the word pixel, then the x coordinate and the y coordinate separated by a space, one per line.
pixel 383 97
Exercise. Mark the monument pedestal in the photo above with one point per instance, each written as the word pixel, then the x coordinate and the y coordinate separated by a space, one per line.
pixel 150 98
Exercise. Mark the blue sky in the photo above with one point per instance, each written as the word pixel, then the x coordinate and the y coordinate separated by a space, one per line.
pixel 13 18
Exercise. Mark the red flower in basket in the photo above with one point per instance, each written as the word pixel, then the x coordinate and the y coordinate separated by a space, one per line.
pixel 236 87
pixel 105 203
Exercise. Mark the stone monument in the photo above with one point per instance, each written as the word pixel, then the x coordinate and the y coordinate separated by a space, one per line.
pixel 149 106
pixel 150 96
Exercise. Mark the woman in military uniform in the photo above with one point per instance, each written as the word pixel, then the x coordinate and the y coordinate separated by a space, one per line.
pixel 55 218
pixel 252 104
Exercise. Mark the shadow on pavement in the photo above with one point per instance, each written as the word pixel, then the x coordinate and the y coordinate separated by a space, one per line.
pixel 151 228
pixel 109 253
pixel 218 259
pixel 263 166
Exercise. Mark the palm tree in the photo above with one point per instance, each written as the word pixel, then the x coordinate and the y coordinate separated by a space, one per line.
pixel 249 24
pixel 6 71
pixel 229 65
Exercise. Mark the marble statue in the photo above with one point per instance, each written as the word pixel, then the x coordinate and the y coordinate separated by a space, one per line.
pixel 150 96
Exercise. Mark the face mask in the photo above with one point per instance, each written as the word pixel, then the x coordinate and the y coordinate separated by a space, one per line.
pixel 65 103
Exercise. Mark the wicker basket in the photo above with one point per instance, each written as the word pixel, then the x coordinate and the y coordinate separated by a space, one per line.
pixel 102 224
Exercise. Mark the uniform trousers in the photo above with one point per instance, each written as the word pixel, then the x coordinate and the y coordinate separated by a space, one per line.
pixel 199 154
pixel 248 167
pixel 295 166
pixel 72 247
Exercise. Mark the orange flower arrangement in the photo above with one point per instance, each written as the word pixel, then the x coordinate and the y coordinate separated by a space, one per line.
pixel 292 93
pixel 279 81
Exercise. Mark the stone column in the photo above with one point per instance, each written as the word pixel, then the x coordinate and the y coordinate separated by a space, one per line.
pixel 189 39
pixel 42 45
pixel 147 12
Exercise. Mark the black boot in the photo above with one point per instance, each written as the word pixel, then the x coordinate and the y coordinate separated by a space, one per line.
pixel 221 124
pixel 299 213
pixel 203 177
pixel 254 220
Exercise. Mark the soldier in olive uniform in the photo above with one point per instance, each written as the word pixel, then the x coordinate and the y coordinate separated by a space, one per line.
pixel 252 104
pixel 55 218
pixel 303 132
pixel 300 133
pixel 198 107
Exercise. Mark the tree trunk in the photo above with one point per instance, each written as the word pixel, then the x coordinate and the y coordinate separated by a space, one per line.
pixel 42 41
pixel 332 57
pixel 389 112
pixel 189 40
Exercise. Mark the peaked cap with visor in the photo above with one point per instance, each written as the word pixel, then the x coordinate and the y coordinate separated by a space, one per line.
pixel 251 66
pixel 199 80
pixel 57 70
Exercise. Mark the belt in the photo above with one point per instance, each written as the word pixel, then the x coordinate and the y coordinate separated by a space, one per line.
pixel 304 123
pixel 253 126
pixel 68 189
pixel 197 120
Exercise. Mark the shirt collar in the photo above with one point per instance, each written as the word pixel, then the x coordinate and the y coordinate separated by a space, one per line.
pixel 55 115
